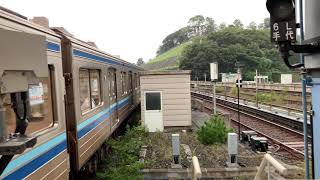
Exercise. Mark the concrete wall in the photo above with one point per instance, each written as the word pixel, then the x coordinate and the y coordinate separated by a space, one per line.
pixel 176 99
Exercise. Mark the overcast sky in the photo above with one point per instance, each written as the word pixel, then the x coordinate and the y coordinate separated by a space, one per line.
pixel 134 28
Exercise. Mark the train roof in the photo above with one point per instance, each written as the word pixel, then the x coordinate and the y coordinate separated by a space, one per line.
pixel 22 20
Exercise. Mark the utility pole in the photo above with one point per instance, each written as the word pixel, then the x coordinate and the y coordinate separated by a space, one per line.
pixel 214 97
pixel 214 78
pixel 225 91
pixel 239 84
pixel 239 110
pixel 257 88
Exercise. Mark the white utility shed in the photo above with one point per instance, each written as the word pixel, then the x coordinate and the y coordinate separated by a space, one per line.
pixel 165 99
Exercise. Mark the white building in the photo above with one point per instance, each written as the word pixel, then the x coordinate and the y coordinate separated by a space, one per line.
pixel 165 99
pixel 286 78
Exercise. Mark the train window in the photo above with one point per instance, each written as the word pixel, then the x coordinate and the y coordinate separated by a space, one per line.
pixel 95 88
pixel 110 77
pixel 138 81
pixel 40 113
pixel 112 82
pixel 121 82
pixel 135 80
pixel 90 94
pixel 84 90
pixel 130 81
pixel 123 77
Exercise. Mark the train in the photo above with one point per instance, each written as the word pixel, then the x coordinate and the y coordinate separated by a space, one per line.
pixel 60 99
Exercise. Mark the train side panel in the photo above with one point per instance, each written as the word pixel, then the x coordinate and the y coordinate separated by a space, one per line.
pixel 49 156
pixel 95 124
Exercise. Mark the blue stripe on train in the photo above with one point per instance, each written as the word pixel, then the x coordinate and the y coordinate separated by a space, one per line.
pixel 56 48
pixel 53 46
pixel 34 153
pixel 51 149
pixel 36 163
pixel 89 127
pixel 97 58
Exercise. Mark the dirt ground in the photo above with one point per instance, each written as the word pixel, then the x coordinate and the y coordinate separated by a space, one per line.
pixel 159 154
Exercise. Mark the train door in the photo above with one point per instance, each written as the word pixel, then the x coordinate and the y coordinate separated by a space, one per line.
pixel 113 99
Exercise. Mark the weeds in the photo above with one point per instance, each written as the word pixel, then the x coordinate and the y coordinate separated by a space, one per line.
pixel 234 91
pixel 123 162
pixel 269 97
pixel 219 89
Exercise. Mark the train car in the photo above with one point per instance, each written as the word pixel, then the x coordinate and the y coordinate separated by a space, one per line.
pixel 81 100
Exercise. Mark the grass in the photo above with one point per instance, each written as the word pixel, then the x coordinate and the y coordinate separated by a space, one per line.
pixel 174 52
pixel 169 68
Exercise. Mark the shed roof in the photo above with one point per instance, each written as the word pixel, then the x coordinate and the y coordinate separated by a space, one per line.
pixel 177 72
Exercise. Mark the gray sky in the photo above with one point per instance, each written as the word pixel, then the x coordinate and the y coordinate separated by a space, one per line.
pixel 134 28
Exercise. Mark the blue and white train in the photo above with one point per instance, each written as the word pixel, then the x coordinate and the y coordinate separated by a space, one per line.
pixel 77 96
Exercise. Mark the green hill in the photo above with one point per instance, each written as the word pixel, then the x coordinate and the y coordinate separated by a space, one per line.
pixel 167 60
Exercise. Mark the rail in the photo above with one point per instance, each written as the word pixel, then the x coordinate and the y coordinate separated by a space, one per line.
pixel 268 106
pixel 281 143
pixel 265 86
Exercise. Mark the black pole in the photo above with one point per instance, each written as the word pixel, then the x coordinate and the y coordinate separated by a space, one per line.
pixel 312 148
pixel 238 111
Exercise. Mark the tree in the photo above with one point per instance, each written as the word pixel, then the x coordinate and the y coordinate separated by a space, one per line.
pixel 210 25
pixel 196 25
pixel 252 25
pixel 237 23
pixel 229 45
pixel 140 62
pixel 223 25
pixel 265 24
pixel 173 39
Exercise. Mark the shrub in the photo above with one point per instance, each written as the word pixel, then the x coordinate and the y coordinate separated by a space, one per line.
pixel 213 131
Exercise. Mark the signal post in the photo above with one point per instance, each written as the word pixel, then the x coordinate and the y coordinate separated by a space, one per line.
pixel 283 32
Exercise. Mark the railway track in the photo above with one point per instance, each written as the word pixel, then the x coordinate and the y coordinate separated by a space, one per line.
pixel 279 135
pixel 294 102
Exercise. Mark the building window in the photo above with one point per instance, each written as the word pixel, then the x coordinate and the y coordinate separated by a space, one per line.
pixel 90 95
pixel 153 101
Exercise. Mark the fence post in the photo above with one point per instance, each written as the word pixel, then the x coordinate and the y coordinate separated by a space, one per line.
pixel 196 168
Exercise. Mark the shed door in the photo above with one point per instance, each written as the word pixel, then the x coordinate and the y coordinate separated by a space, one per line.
pixel 153 111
